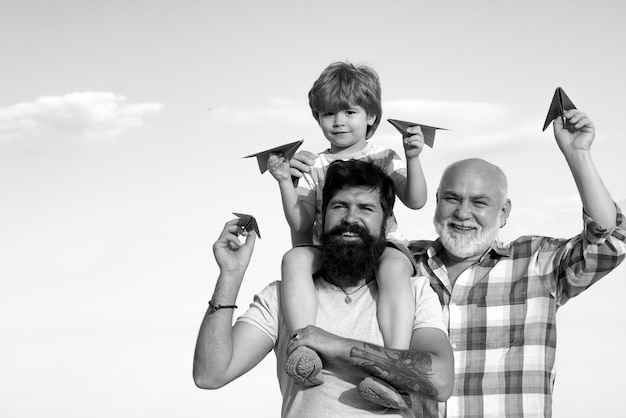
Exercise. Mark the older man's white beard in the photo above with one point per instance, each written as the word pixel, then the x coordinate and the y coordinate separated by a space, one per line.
pixel 463 245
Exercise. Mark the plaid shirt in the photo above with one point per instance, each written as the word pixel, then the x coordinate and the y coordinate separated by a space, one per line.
pixel 501 316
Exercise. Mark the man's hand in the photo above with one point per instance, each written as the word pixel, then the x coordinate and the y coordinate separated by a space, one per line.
pixel 577 135
pixel 231 255
pixel 326 344
pixel 301 163
pixel 414 144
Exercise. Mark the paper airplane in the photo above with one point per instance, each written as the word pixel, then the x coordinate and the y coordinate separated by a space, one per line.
pixel 560 103
pixel 249 223
pixel 428 131
pixel 288 150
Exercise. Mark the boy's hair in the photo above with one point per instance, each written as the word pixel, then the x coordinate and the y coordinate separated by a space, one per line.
pixel 358 173
pixel 342 84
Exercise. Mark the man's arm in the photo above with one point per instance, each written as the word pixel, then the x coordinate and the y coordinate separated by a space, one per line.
pixel 427 368
pixel 224 352
pixel 575 141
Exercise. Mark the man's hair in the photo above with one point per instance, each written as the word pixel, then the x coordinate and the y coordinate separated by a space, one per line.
pixel 342 84
pixel 359 173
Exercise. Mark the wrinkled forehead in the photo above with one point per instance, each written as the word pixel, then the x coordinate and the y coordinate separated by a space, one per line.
pixel 358 195
pixel 474 180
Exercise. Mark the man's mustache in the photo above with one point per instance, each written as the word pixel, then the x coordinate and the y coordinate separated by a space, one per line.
pixel 349 229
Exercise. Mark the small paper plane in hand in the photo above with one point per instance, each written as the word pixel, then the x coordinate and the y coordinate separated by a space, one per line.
pixel 249 223
pixel 288 150
pixel 428 131
pixel 560 103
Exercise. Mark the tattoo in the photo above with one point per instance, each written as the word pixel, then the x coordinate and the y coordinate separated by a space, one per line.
pixel 407 371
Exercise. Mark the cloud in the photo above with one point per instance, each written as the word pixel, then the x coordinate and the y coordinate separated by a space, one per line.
pixel 453 115
pixel 278 110
pixel 458 114
pixel 93 117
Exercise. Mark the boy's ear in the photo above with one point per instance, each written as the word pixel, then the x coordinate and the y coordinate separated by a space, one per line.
pixel 371 119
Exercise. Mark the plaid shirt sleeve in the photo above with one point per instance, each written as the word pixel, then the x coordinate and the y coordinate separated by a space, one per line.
pixel 567 268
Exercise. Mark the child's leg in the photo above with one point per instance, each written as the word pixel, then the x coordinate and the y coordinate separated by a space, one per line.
pixel 396 304
pixel 298 296
pixel 299 302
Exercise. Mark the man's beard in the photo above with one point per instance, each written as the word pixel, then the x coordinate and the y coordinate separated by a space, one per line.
pixel 464 245
pixel 346 262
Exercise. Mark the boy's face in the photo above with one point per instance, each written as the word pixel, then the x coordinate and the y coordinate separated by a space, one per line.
pixel 346 129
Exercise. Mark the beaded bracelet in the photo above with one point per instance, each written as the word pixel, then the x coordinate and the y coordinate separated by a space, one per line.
pixel 215 308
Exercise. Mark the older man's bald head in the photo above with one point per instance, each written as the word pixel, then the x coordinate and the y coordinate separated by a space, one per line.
pixel 478 172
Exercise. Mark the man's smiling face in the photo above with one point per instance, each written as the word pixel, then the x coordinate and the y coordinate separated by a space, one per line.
pixel 356 208
pixel 471 208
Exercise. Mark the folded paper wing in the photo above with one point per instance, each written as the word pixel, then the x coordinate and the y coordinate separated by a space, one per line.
pixel 249 223
pixel 560 103
pixel 288 150
pixel 428 131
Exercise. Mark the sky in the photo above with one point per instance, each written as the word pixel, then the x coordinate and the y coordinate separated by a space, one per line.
pixel 122 130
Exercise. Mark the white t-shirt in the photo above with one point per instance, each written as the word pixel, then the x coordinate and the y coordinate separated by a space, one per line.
pixel 338 395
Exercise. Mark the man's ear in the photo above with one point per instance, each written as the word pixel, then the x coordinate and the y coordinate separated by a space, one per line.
pixel 389 223
pixel 505 211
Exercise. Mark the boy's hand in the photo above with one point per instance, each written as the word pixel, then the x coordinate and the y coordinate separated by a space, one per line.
pixel 301 163
pixel 414 144
pixel 577 135
pixel 279 167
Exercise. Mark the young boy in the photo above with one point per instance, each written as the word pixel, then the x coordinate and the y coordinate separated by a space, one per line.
pixel 346 102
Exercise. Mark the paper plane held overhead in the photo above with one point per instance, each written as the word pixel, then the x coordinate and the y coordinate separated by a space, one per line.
pixel 249 223
pixel 428 131
pixel 288 150
pixel 560 103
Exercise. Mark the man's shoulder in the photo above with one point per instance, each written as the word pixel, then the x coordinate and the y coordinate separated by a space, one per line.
pixel 271 292
pixel 420 282
pixel 421 246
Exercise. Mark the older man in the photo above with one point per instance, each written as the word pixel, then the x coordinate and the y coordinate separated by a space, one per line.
pixel 358 203
pixel 500 299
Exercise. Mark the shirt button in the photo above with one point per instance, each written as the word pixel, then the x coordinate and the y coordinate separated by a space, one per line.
pixel 453 345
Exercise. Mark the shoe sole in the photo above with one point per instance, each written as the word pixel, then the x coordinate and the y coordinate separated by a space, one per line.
pixel 304 366
pixel 381 393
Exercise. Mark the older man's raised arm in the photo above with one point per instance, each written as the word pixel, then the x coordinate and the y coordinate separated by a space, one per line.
pixel 574 140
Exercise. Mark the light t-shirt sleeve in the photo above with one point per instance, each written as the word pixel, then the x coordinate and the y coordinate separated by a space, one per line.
pixel 263 311
pixel 428 313
pixel 392 164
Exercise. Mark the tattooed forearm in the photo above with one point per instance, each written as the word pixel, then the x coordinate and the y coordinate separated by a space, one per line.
pixel 407 371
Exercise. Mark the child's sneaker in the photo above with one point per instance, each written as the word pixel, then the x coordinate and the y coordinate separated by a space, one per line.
pixel 382 393
pixel 304 366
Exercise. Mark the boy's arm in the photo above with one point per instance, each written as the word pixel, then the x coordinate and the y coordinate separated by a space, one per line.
pixel 426 368
pixel 413 191
pixel 575 141
pixel 299 217
pixel 224 352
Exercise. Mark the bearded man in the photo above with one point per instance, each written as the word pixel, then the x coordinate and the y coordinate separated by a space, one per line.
pixel 500 299
pixel 358 203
